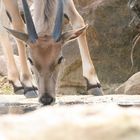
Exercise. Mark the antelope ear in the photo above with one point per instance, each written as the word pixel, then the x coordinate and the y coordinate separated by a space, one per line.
pixel 19 35
pixel 72 35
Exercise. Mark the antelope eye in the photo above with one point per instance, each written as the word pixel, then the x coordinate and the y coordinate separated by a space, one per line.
pixel 30 60
pixel 60 60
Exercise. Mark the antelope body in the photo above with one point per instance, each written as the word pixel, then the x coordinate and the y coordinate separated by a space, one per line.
pixel 45 41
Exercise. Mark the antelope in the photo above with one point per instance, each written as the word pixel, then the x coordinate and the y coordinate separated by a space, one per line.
pixel 45 41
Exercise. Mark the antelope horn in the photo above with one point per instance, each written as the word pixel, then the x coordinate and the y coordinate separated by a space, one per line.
pixel 29 22
pixel 58 22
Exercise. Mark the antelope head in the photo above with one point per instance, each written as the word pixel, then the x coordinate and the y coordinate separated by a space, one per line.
pixel 45 51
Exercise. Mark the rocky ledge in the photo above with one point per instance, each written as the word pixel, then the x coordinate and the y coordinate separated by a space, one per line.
pixel 112 117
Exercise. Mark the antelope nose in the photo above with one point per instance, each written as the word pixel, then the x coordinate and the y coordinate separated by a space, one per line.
pixel 46 99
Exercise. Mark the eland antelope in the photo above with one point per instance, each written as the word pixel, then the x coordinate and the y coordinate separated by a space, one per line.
pixel 45 40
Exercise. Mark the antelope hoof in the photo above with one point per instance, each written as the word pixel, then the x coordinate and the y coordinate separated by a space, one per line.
pixel 30 92
pixel 19 90
pixel 96 91
pixel 46 100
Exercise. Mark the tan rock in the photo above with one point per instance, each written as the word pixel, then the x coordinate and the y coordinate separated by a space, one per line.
pixel 99 122
pixel 131 86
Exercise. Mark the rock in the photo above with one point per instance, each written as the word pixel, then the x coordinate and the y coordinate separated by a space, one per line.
pixel 84 117
pixel 100 122
pixel 131 86
pixel 19 104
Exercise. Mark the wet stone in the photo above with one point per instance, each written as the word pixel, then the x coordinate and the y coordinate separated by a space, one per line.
pixel 18 104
